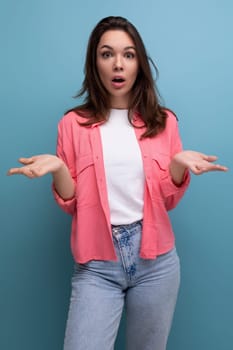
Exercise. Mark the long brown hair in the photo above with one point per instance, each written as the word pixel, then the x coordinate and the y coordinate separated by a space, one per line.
pixel 144 97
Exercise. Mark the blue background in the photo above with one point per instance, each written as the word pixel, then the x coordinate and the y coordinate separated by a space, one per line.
pixel 42 55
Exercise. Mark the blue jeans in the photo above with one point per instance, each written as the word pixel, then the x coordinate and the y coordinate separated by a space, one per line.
pixel 100 289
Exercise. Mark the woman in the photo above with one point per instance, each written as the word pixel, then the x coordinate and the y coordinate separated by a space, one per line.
pixel 119 168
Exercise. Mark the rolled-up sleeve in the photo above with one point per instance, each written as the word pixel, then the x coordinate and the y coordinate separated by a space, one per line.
pixel 172 193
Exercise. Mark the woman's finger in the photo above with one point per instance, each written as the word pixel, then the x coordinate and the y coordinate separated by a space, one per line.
pixel 26 161
pixel 210 158
pixel 219 167
pixel 14 171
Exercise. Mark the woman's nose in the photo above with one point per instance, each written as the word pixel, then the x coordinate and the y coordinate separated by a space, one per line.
pixel 118 65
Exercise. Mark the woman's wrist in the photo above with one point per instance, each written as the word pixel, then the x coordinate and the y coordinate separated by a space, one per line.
pixel 63 181
pixel 177 170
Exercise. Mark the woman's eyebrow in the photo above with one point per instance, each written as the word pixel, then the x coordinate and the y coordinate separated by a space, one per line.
pixel 130 47
pixel 107 47
pixel 111 48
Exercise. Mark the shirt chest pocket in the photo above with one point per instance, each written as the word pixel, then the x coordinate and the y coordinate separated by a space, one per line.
pixel 160 171
pixel 83 163
pixel 160 166
pixel 86 190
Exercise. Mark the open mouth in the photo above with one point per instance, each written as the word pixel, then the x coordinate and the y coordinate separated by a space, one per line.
pixel 118 80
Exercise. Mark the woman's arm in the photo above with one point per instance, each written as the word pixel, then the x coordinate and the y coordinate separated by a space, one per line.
pixel 43 164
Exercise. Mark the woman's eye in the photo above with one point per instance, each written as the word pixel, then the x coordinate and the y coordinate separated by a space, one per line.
pixel 106 54
pixel 129 55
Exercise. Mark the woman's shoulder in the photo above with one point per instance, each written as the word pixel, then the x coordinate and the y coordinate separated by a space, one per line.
pixel 71 117
pixel 171 115
pixel 171 120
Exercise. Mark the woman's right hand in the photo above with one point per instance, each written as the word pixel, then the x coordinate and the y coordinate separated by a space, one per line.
pixel 37 166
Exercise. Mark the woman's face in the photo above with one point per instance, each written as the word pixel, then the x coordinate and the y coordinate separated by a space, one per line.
pixel 117 65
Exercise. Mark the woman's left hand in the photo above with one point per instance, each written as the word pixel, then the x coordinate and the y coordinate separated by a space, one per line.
pixel 197 162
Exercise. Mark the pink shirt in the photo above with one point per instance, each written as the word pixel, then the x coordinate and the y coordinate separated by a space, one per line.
pixel 81 149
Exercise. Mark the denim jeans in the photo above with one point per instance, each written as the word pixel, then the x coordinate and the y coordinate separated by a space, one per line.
pixel 101 289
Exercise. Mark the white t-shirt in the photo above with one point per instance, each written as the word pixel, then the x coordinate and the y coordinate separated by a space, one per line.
pixel 123 168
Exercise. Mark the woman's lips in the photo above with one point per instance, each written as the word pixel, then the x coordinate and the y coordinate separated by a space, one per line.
pixel 118 82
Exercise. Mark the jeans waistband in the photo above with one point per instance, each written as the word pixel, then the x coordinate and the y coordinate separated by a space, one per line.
pixel 127 227
pixel 135 223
